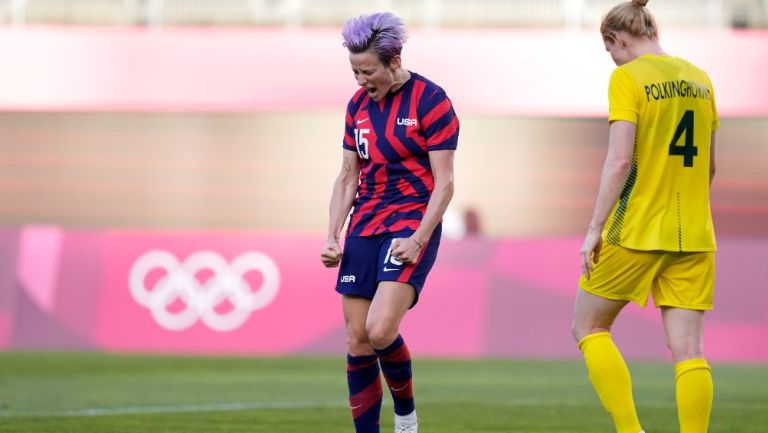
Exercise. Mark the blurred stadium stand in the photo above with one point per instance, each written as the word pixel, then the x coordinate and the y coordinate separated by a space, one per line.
pixel 417 13
pixel 213 167
pixel 215 171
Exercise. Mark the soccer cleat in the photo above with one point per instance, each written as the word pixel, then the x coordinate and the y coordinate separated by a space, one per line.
pixel 407 427
pixel 407 423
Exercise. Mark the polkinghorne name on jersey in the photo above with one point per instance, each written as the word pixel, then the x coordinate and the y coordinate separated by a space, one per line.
pixel 676 89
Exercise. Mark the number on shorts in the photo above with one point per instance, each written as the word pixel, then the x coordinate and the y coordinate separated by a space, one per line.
pixel 390 258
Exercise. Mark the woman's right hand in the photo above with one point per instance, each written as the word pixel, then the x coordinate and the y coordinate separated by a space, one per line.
pixel 331 254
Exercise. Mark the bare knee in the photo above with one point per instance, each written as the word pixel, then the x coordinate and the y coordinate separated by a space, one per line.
pixel 593 314
pixel 380 334
pixel 684 330
pixel 683 349
pixel 581 333
pixel 358 344
pixel 582 329
pixel 577 331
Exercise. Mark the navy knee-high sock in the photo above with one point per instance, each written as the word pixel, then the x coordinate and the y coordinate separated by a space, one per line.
pixel 364 392
pixel 396 365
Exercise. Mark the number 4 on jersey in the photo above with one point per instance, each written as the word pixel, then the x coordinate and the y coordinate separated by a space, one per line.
pixel 687 150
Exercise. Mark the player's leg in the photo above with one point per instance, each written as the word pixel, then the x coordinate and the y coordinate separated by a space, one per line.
pixel 593 317
pixel 684 291
pixel 389 305
pixel 357 282
pixel 399 286
pixel 693 377
pixel 363 376
pixel 622 275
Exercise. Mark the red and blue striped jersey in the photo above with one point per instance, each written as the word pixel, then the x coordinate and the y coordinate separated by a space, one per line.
pixel 393 138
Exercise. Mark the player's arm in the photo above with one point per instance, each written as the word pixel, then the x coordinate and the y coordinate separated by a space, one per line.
pixel 618 162
pixel 408 250
pixel 712 169
pixel 342 197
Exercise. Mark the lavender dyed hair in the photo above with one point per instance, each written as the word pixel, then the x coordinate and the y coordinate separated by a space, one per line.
pixel 383 33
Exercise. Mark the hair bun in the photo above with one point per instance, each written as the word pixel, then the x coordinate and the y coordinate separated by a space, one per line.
pixel 640 3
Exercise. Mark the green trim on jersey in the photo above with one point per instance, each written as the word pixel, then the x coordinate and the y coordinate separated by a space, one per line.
pixel 614 231
pixel 664 204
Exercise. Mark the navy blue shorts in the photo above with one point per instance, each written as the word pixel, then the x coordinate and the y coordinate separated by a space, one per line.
pixel 367 261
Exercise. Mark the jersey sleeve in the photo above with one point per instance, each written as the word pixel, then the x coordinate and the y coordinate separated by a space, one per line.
pixel 439 122
pixel 623 99
pixel 348 143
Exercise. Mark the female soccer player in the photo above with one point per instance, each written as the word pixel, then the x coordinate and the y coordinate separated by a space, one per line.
pixel 652 229
pixel 397 172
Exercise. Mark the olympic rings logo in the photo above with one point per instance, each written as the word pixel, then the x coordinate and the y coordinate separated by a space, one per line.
pixel 223 283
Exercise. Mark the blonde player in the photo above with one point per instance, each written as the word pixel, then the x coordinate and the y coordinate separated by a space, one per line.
pixel 651 231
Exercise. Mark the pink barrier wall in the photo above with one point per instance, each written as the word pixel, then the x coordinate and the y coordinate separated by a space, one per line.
pixel 224 70
pixel 156 292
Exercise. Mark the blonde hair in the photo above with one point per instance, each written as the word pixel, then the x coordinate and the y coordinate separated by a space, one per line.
pixel 631 17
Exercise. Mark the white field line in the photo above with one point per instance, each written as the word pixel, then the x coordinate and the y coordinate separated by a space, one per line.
pixel 287 405
pixel 181 408
pixel 220 407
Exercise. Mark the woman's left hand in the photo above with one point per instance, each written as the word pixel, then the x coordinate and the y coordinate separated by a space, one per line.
pixel 406 250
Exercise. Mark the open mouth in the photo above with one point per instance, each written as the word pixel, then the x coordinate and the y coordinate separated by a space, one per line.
pixel 372 92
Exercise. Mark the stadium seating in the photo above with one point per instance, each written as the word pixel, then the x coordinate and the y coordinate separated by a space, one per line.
pixel 426 13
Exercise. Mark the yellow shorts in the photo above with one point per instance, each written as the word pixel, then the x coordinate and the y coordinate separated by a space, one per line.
pixel 682 280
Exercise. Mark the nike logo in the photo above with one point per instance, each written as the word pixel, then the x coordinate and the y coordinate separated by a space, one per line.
pixel 356 407
pixel 386 269
pixel 362 120
pixel 399 389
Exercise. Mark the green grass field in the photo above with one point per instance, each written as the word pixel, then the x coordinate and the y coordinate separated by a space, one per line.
pixel 99 393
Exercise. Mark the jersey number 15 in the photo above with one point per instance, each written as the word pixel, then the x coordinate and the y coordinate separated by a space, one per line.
pixel 361 141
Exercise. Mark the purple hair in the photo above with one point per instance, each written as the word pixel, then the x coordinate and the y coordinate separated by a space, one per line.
pixel 384 33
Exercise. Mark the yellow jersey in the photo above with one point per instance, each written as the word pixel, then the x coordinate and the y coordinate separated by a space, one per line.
pixel 665 202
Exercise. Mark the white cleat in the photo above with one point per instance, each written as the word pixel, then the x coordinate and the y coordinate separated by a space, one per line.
pixel 406 423
pixel 407 427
